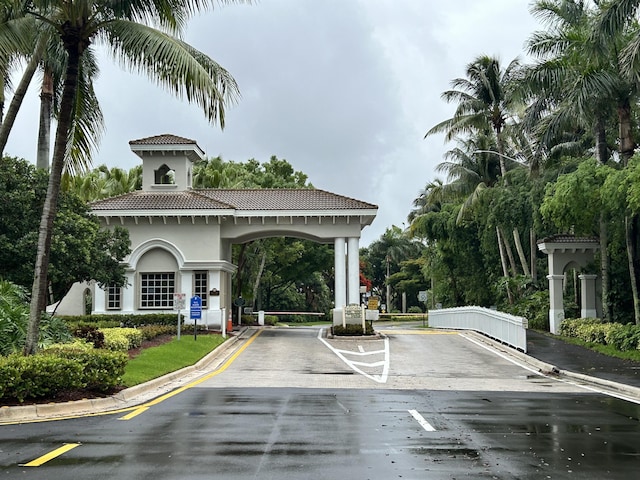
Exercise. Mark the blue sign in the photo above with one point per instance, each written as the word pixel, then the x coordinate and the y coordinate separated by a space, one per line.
pixel 195 310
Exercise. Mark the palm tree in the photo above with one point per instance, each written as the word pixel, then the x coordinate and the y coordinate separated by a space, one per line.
pixel 127 27
pixel 486 101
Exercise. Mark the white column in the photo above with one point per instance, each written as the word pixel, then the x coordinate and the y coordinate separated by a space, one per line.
pixel 353 268
pixel 214 312
pixel 99 299
pixel 340 286
pixel 186 287
pixel 129 293
pixel 556 312
pixel 588 296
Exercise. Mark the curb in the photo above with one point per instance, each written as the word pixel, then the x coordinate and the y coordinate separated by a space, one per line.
pixel 126 398
pixel 553 370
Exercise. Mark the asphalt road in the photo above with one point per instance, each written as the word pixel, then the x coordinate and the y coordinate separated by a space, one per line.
pixel 294 405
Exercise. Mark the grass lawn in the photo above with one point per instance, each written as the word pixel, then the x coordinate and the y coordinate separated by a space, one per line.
pixel 156 361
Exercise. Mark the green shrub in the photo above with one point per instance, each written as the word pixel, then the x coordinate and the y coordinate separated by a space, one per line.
pixel 75 325
pixel 53 330
pixel 569 327
pixel 593 332
pixel 625 337
pixel 37 376
pixel 270 320
pixel 150 332
pixel 102 370
pixel 130 320
pixel 415 309
pixel 534 307
pixel 90 334
pixel 122 339
pixel 352 329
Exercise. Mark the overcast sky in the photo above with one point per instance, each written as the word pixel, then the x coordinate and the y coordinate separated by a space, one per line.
pixel 344 90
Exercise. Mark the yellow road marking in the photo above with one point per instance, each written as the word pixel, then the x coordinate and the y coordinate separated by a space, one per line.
pixel 51 455
pixel 135 413
pixel 162 398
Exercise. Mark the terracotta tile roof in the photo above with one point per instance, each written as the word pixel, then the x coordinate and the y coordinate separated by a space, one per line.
pixel 236 199
pixel 164 139
pixel 190 200
pixel 285 199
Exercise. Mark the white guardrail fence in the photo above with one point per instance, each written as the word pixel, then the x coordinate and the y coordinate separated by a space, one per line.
pixel 505 328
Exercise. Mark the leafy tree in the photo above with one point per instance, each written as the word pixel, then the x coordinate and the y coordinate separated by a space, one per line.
pixel 126 28
pixel 81 250
pixel 384 258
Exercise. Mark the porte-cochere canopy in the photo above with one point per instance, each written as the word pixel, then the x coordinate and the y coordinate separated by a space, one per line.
pixel 181 237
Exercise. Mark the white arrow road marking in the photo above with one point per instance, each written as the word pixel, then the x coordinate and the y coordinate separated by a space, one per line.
pixel 420 419
pixel 361 353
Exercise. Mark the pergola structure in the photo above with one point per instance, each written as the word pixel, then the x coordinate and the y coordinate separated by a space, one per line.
pixel 181 237
pixel 563 251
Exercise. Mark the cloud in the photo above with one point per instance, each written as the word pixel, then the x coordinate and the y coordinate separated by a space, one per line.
pixel 343 89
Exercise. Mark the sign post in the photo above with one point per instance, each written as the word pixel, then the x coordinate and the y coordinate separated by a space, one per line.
pixel 239 302
pixel 195 312
pixel 178 304
pixel 423 297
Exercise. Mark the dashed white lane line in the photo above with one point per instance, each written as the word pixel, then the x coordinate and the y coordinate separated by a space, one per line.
pixel 382 378
pixel 421 420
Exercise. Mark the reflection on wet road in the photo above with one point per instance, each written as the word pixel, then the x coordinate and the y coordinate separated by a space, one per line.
pixel 288 407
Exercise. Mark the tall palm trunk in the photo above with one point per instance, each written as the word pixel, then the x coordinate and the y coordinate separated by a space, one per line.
pixel 601 139
pixel 503 261
pixel 627 143
pixel 520 250
pixel 604 267
pixel 631 234
pixel 39 289
pixel 534 255
pixel 509 252
pixel 44 131
pixel 19 94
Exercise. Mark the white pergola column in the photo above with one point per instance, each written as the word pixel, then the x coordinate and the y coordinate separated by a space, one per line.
pixel 340 287
pixel 556 312
pixel 353 269
pixel 588 296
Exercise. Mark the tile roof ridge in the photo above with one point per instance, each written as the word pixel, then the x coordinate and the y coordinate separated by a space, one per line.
pixel 167 138
pixel 198 192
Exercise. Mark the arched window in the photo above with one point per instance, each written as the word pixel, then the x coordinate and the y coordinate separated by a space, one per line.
pixel 165 175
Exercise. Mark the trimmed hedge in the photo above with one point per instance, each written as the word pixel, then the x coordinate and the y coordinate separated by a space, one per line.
pixel 352 329
pixel 593 330
pixel 37 376
pixel 126 319
pixel 102 370
pixel 58 369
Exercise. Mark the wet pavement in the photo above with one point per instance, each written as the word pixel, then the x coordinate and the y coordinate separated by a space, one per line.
pixel 288 407
pixel 574 358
